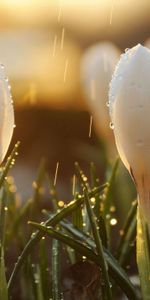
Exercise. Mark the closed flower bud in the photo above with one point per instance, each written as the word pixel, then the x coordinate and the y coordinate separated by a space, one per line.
pixel 6 114
pixel 129 98
pixel 97 66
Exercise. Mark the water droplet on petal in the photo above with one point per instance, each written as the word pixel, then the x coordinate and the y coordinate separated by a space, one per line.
pixel 111 125
pixel 2 66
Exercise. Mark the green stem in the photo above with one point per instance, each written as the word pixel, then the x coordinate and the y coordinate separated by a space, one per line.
pixel 143 254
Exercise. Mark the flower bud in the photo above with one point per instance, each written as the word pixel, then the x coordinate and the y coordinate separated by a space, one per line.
pixel 97 67
pixel 6 114
pixel 129 98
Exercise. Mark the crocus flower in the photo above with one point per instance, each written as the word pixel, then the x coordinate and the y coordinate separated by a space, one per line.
pixel 97 66
pixel 129 100
pixel 6 114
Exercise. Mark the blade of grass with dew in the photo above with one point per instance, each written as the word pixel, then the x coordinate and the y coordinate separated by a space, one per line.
pixel 77 221
pixel 94 178
pixel 117 273
pixel 84 182
pixel 103 265
pixel 96 203
pixel 95 183
pixel 9 163
pixel 81 176
pixel 56 290
pixel 51 222
pixel 44 270
pixel 56 207
pixel 3 283
pixel 77 218
pixel 107 203
pixel 53 193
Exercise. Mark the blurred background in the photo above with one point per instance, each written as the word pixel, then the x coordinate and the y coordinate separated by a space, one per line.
pixel 42 44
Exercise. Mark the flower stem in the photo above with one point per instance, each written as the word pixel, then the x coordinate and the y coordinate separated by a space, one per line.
pixel 143 253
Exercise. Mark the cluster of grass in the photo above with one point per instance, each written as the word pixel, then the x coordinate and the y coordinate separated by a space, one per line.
pixel 36 243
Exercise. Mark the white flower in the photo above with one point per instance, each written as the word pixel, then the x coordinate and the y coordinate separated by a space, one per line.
pixel 129 98
pixel 97 66
pixel 6 114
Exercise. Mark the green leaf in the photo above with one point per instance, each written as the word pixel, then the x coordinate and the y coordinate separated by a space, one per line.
pixel 38 282
pixel 109 189
pixel 52 222
pixel 95 230
pixel 44 270
pixel 56 291
pixel 117 273
pixel 3 211
pixel 3 283
pixel 9 163
pixel 128 234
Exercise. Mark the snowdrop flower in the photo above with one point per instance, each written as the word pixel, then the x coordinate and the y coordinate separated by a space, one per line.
pixel 97 66
pixel 129 98
pixel 6 114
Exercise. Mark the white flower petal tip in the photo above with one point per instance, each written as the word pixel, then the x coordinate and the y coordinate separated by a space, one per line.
pixel 97 66
pixel 6 114
pixel 129 99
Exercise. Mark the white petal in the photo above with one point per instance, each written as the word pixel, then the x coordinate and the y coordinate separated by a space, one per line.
pixel 6 114
pixel 130 109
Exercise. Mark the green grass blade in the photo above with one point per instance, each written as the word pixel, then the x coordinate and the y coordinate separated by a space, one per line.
pixel 44 270
pixel 109 189
pixel 51 222
pixel 38 282
pixel 56 290
pixel 98 242
pixel 3 211
pixel 117 273
pixel 126 232
pixel 9 163
pixel 3 283
pixel 94 178
pixel 128 244
pixel 143 253
pixel 81 176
